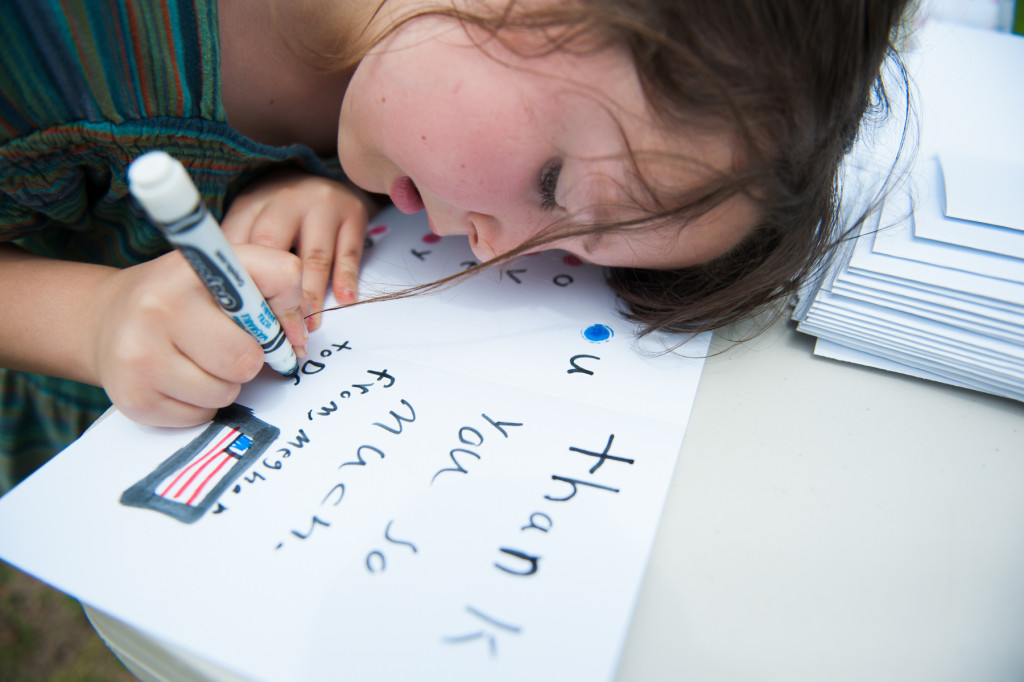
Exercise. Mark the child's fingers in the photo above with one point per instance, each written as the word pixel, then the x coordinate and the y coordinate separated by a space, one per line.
pixel 278 275
pixel 277 225
pixel 167 412
pixel 324 221
pixel 221 349
pixel 185 401
pixel 199 390
pixel 348 255
pixel 266 219
pixel 330 246
pixel 237 224
pixel 175 393
pixel 316 249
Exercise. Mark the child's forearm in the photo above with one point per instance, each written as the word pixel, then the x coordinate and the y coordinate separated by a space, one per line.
pixel 47 318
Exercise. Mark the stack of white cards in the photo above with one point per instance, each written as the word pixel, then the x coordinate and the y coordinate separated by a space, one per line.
pixel 933 285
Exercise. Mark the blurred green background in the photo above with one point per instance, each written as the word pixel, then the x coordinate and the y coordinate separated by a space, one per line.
pixel 45 636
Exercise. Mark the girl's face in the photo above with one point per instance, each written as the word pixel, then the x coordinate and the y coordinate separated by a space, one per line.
pixel 497 147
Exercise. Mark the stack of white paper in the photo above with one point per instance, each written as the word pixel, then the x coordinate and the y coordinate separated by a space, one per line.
pixel 933 285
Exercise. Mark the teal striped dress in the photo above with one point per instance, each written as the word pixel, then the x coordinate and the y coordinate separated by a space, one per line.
pixel 85 87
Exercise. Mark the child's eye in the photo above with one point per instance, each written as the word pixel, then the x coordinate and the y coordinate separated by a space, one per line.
pixel 549 183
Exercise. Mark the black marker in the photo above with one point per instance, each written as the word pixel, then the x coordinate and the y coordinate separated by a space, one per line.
pixel 162 185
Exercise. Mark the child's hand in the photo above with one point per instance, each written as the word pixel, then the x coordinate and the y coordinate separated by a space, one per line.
pixel 322 220
pixel 167 355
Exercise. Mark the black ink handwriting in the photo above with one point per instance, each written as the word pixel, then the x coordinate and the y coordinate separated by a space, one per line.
pixel 399 419
pixel 529 558
pixel 533 523
pixel 492 643
pixel 359 461
pixel 377 558
pixel 513 275
pixel 317 521
pixel 603 455
pixel 576 368
pixel 469 435
pixel 573 482
pixel 311 366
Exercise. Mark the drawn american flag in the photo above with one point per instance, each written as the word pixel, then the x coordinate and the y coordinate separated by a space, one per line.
pixel 204 470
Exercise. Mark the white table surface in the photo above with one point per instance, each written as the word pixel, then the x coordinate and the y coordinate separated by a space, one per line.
pixel 826 522
pixel 833 522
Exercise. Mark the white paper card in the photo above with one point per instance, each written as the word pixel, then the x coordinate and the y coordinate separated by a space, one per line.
pixel 899 239
pixel 984 190
pixel 463 486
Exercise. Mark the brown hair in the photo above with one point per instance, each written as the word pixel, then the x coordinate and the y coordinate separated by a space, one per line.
pixel 791 79
pixel 798 78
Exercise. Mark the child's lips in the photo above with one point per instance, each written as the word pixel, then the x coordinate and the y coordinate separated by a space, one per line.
pixel 405 196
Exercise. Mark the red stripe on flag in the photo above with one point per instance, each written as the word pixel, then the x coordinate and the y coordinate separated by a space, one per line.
pixel 224 460
pixel 219 446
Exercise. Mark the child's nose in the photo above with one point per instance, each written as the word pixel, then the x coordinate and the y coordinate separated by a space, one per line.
pixel 486 236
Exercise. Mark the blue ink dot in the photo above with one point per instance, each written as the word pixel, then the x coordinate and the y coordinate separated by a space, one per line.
pixel 598 333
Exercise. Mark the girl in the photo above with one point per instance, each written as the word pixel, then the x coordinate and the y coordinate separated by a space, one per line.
pixel 692 147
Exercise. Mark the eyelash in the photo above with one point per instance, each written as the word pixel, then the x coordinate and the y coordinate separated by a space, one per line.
pixel 549 183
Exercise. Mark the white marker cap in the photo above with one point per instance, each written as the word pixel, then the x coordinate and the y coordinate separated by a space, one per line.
pixel 163 186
